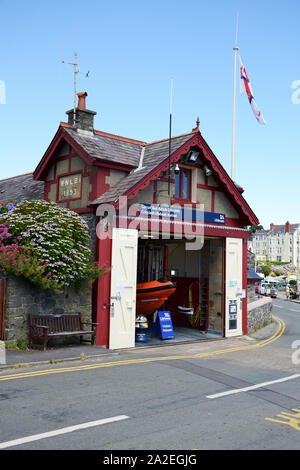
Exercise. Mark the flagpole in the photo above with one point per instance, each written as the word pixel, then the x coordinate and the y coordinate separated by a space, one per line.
pixel 233 114
pixel 234 97
pixel 170 136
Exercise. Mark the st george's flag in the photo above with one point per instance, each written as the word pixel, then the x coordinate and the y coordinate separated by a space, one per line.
pixel 244 80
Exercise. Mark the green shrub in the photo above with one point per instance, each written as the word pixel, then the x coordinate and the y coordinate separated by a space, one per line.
pixel 266 270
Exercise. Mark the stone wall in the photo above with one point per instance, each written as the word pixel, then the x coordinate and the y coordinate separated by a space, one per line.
pixel 259 314
pixel 251 295
pixel 23 298
pixel 91 221
pixel 251 260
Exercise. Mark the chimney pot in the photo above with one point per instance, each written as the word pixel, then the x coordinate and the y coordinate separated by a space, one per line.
pixel 81 99
pixel 271 226
pixel 287 227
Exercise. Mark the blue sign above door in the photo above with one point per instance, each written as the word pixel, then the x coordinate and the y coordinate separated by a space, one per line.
pixel 181 213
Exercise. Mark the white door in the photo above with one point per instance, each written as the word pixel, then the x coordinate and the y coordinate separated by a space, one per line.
pixel 234 293
pixel 123 288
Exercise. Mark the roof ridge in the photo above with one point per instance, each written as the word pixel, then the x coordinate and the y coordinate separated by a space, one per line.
pixel 168 138
pixel 17 176
pixel 128 139
pixel 119 137
pixel 108 134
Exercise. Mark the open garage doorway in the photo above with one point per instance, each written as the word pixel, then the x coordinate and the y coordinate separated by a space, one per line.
pixel 191 282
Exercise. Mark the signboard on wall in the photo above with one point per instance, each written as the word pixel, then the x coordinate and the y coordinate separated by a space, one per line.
pixel 181 213
pixel 69 187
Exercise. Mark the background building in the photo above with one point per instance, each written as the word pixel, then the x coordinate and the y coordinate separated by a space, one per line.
pixel 279 243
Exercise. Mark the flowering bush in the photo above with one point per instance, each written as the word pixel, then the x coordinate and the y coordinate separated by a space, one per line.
pixel 283 270
pixel 19 261
pixel 51 236
pixel 4 208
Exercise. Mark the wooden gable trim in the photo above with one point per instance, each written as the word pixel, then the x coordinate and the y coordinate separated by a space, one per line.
pixel 39 172
pixel 61 134
pixel 246 214
pixel 163 166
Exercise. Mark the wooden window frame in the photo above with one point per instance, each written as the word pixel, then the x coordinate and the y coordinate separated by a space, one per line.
pixel 180 198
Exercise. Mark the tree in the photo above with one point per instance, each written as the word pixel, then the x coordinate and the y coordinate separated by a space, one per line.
pixel 254 228
pixel 266 270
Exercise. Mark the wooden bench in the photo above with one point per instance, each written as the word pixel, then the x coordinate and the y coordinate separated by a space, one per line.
pixel 44 327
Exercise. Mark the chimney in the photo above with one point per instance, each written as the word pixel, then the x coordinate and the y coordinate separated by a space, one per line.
pixel 84 118
pixel 272 226
pixel 81 99
pixel 287 227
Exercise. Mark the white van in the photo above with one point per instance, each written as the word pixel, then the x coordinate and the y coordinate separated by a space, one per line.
pixel 264 289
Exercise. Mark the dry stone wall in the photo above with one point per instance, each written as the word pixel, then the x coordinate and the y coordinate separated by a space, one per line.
pixel 23 298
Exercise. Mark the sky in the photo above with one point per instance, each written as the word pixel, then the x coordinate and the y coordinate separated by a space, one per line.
pixel 132 49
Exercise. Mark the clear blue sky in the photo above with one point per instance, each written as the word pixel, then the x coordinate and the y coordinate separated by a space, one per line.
pixel 132 49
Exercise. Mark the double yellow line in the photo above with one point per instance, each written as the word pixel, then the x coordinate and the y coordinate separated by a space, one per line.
pixel 24 375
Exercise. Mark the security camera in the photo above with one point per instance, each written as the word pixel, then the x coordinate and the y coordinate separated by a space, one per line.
pixel 207 170
pixel 176 169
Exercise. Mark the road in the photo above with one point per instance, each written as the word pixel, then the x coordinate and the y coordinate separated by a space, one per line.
pixel 239 394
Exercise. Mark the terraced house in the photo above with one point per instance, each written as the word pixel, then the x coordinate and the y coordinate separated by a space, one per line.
pixel 279 243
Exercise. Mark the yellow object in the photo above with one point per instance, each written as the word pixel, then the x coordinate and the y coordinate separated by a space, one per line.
pixel 193 318
pixel 141 325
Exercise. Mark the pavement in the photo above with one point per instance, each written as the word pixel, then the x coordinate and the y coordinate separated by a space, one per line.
pixel 17 358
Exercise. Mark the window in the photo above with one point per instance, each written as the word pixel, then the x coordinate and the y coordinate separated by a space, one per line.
pixel 183 184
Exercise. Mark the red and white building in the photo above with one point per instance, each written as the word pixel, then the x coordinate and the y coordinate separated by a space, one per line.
pixel 116 183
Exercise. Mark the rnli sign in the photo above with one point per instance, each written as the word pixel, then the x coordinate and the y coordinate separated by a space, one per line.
pixel 181 213
pixel 163 325
pixel 70 187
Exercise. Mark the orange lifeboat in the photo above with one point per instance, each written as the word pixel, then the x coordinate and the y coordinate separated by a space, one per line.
pixel 150 296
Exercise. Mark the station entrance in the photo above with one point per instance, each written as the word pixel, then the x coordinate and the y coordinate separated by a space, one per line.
pixel 187 283
pixel 200 292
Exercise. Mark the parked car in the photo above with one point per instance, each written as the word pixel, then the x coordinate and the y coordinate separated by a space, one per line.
pixel 262 288
pixel 274 292
pixel 268 289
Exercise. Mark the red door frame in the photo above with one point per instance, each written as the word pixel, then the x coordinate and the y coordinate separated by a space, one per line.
pixel 104 252
pixel 103 291
pixel 244 286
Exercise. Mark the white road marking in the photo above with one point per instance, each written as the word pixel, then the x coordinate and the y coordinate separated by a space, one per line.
pixel 253 387
pixel 57 432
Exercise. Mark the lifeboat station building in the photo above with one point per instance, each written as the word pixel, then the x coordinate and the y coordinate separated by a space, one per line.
pixel 165 218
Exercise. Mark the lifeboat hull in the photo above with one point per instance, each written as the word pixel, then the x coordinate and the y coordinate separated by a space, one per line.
pixel 150 296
